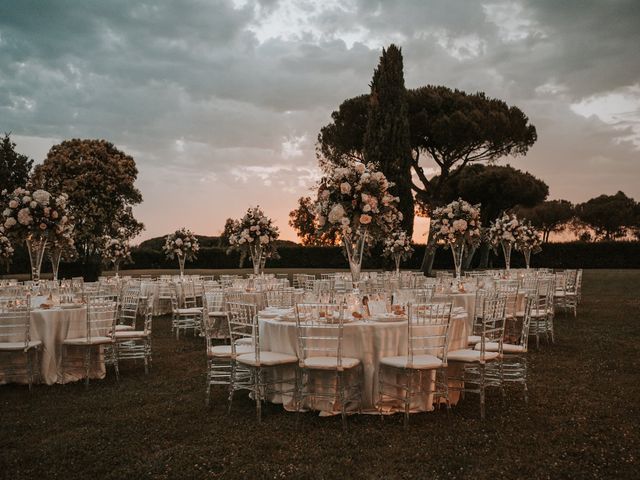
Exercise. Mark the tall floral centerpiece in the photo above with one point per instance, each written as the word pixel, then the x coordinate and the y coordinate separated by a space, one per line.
pixel 457 226
pixel 116 251
pixel 256 233
pixel 183 245
pixel 398 246
pixel 503 232
pixel 355 202
pixel 528 241
pixel 6 249
pixel 34 218
pixel 61 246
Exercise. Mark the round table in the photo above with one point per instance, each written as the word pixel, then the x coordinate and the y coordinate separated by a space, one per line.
pixel 53 326
pixel 369 341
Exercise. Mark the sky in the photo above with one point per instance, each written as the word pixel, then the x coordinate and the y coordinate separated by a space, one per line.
pixel 220 101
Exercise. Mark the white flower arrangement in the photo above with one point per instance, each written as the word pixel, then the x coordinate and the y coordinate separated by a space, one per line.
pixel 457 222
pixel 116 250
pixel 399 243
pixel 357 198
pixel 33 215
pixel 527 238
pixel 255 228
pixel 181 243
pixel 6 249
pixel 63 244
pixel 504 229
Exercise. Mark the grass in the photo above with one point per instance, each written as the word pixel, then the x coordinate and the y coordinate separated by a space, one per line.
pixel 581 420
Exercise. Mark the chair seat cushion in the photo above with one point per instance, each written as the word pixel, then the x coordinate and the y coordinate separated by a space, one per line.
pixel 473 339
pixel 420 362
pixel 267 358
pixel 224 351
pixel 329 363
pixel 17 346
pixel 244 341
pixel 88 341
pixel 506 347
pixel 131 334
pixel 217 313
pixel 124 327
pixel 470 356
pixel 189 311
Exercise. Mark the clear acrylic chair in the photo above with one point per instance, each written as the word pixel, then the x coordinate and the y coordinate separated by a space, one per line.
pixel 185 318
pixel 513 368
pixel 475 361
pixel 281 298
pixel 320 334
pixel 220 358
pixel 136 344
pixel 424 367
pixel 102 314
pixel 15 339
pixel 243 327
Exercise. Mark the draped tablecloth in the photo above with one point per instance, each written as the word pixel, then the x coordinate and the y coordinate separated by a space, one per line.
pixel 52 327
pixel 369 342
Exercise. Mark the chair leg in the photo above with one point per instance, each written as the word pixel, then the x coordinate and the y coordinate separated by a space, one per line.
pixel 407 397
pixel 87 361
pixel 29 369
pixel 482 392
pixel 341 387
pixel 256 391
pixel 231 385
pixel 208 390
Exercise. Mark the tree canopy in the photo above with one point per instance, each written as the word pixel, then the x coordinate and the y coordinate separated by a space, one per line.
pixel 449 127
pixel 303 221
pixel 99 180
pixel 14 167
pixel 549 216
pixel 386 139
pixel 610 216
pixel 497 188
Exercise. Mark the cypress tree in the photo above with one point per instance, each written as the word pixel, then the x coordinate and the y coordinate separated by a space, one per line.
pixel 386 140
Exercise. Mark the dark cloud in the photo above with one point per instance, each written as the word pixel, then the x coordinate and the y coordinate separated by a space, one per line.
pixel 223 99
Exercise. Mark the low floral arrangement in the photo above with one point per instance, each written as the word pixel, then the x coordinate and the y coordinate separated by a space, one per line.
pixel 528 238
pixel 181 244
pixel 37 215
pixel 255 228
pixel 355 199
pixel 457 223
pixel 6 249
pixel 504 229
pixel 398 244
pixel 116 250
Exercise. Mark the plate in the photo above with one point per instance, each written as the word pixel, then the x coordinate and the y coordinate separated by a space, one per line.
pixel 389 317
pixel 70 305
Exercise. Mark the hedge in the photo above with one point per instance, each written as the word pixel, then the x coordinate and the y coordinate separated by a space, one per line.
pixel 553 255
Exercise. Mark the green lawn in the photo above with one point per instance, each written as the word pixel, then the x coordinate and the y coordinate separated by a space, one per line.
pixel 581 420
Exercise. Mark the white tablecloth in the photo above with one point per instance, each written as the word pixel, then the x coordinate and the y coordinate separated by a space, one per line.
pixel 369 342
pixel 52 327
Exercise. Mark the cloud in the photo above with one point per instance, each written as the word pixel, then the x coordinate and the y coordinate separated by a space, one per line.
pixel 222 100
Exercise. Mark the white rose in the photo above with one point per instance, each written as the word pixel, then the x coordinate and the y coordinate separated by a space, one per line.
pixel 336 213
pixel 41 196
pixel 178 242
pixel 359 167
pixel 345 188
pixel 10 222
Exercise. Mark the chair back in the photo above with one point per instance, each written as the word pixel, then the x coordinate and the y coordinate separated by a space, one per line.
pixel 102 314
pixel 319 330
pixel 243 324
pixel 492 322
pixel 281 298
pixel 15 316
pixel 428 330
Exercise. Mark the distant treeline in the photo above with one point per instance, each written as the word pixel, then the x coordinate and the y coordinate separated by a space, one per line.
pixel 553 255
